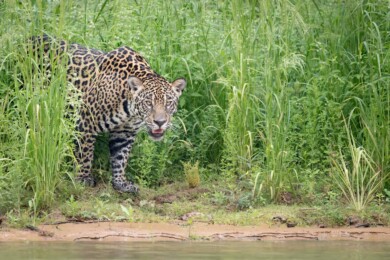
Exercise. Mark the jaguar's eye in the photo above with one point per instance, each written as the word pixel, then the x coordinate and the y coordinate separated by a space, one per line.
pixel 170 105
pixel 148 103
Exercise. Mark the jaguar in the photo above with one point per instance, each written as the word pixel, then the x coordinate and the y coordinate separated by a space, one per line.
pixel 120 95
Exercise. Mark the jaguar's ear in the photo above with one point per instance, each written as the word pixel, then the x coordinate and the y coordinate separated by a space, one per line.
pixel 178 86
pixel 135 85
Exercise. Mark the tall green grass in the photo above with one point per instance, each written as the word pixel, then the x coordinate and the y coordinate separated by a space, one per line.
pixel 43 129
pixel 359 178
pixel 48 133
pixel 269 83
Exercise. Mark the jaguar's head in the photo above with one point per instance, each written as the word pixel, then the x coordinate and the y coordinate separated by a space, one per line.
pixel 156 101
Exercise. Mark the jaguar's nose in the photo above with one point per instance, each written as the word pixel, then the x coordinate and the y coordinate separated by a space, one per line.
pixel 160 123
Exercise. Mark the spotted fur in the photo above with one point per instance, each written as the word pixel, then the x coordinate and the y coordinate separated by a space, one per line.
pixel 120 94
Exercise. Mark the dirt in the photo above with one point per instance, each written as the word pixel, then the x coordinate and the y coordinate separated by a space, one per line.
pixel 121 231
pixel 188 194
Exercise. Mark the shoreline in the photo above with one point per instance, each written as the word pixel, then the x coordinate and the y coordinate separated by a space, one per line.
pixel 153 232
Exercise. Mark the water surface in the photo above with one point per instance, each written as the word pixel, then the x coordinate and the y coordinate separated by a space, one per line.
pixel 197 250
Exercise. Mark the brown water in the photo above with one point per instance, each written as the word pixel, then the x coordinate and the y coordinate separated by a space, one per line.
pixel 197 250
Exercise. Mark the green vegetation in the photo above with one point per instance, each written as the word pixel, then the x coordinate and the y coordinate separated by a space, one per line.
pixel 192 174
pixel 288 102
pixel 362 179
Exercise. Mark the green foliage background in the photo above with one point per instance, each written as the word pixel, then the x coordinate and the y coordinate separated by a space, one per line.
pixel 269 86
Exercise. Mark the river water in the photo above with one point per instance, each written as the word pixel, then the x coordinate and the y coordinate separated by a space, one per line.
pixel 302 250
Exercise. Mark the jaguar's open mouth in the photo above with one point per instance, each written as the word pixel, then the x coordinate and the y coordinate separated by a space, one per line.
pixel 156 134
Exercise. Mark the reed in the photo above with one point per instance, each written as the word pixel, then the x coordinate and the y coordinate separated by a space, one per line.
pixel 358 177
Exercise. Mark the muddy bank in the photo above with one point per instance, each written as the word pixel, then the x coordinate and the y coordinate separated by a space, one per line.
pixel 114 231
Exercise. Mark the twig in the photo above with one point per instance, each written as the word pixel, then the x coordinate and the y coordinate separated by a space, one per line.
pixel 41 232
pixel 154 235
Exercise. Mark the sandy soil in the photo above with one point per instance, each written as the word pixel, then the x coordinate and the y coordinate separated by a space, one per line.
pixel 114 231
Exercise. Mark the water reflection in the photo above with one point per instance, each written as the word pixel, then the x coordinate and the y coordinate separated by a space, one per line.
pixel 197 250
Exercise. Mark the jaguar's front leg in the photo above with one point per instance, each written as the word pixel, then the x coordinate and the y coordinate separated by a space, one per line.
pixel 84 155
pixel 120 144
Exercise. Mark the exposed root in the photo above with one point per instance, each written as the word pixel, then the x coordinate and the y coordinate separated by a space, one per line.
pixel 42 233
pixel 143 236
pixel 260 236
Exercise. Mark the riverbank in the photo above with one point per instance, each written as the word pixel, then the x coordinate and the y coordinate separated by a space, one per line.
pixel 175 212
pixel 124 231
